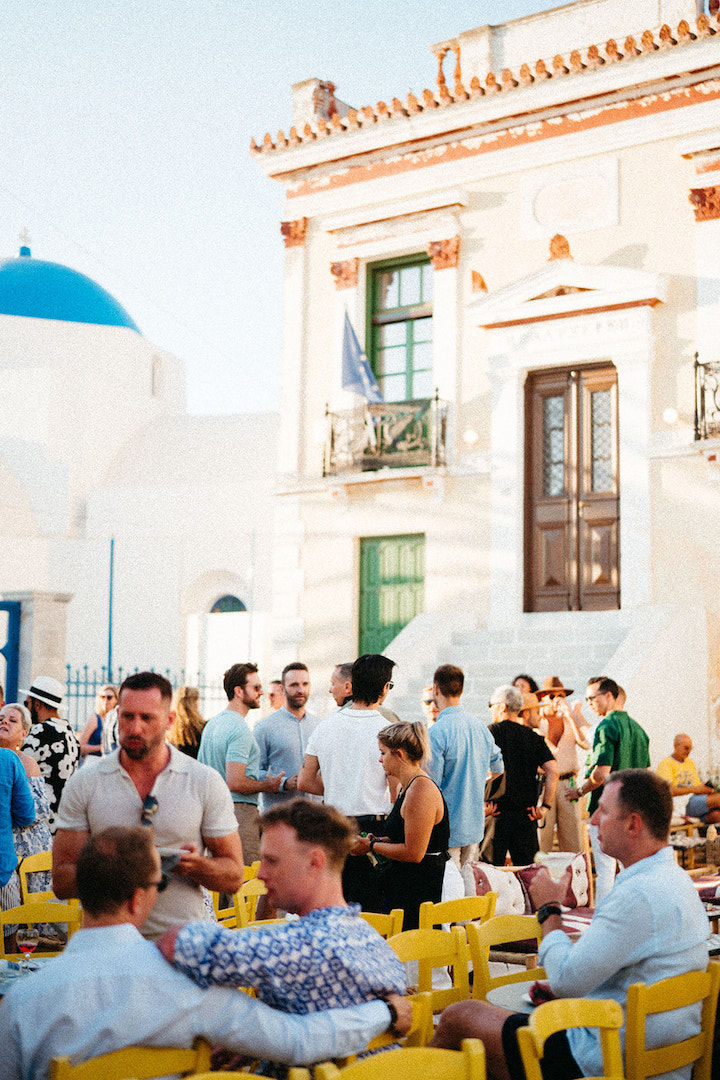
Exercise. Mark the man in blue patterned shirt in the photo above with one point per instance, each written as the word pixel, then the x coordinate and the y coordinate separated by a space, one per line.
pixel 329 957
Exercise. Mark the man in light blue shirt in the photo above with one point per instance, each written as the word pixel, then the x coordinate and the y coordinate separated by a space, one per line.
pixel 282 736
pixel 464 755
pixel 228 746
pixel 137 998
pixel 651 925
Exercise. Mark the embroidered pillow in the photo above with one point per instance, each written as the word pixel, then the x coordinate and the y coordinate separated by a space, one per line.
pixel 577 894
pixel 481 878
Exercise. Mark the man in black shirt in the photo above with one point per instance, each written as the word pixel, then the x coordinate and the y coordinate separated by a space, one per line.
pixel 524 752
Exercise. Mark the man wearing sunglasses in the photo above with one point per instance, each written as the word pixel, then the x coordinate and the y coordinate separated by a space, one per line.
pixel 139 999
pixel 185 804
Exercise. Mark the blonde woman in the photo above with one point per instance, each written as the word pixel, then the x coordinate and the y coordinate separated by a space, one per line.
pixel 91 736
pixel 417 829
pixel 188 723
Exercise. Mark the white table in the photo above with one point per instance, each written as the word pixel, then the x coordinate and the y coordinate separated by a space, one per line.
pixel 511 996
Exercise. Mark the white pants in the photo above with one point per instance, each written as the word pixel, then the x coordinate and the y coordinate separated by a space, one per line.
pixel 605 867
pixel 460 855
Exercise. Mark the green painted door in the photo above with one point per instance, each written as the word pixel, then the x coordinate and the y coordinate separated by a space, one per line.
pixel 392 587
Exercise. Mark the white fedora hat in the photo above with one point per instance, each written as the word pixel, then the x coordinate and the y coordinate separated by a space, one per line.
pixel 46 689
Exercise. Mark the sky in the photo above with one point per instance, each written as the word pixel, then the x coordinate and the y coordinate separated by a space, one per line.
pixel 125 154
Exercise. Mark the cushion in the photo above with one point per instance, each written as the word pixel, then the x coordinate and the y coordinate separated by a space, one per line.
pixel 577 894
pixel 481 878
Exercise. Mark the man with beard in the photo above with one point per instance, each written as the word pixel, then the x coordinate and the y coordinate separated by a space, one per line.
pixel 228 746
pixel 283 735
pixel 149 782
pixel 50 740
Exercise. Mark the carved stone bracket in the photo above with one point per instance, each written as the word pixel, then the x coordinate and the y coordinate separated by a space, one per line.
pixel 345 273
pixel 559 248
pixel 706 203
pixel 293 232
pixel 444 253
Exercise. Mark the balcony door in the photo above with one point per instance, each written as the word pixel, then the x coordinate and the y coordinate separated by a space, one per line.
pixel 572 503
pixel 392 587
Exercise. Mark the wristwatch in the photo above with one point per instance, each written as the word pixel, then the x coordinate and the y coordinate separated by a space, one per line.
pixel 548 806
pixel 546 910
pixel 392 1026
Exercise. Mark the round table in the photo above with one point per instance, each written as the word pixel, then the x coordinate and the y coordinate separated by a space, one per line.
pixel 512 996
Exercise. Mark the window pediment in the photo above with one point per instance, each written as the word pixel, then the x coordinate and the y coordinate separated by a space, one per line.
pixel 566 288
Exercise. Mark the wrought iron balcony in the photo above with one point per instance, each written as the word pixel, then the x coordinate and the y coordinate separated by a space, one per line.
pixel 707 399
pixel 401 434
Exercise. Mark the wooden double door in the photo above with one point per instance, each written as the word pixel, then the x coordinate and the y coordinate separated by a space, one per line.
pixel 572 498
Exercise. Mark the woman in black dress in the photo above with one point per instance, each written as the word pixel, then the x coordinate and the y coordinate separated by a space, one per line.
pixel 417 828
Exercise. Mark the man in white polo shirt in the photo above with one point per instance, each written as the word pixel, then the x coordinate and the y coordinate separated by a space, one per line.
pixel 342 763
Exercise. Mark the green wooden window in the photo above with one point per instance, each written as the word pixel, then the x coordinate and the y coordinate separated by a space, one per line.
pixel 392 587
pixel 401 330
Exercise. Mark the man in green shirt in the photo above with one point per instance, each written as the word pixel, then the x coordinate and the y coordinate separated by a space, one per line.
pixel 619 743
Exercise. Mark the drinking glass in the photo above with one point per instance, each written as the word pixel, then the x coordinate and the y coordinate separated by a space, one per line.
pixel 27 938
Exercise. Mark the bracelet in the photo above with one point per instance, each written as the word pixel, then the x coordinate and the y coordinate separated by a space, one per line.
pixel 373 842
pixel 546 910
pixel 392 1026
pixel 548 806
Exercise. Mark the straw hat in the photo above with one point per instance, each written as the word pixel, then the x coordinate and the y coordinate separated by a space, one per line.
pixel 553 685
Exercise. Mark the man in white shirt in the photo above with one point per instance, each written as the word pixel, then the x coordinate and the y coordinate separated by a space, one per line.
pixel 138 998
pixel 342 763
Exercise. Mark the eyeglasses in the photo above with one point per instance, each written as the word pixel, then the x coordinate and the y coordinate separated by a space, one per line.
pixel 428 701
pixel 108 697
pixel 491 704
pixel 150 808
pixel 160 885
pixel 390 685
pixel 591 697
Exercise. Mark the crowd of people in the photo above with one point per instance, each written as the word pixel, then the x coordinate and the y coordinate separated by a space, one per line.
pixel 358 811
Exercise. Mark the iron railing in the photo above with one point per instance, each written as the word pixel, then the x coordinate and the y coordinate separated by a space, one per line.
pixel 402 434
pixel 707 399
pixel 82 685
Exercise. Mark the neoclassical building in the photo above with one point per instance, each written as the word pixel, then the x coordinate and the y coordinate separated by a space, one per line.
pixel 129 529
pixel 529 254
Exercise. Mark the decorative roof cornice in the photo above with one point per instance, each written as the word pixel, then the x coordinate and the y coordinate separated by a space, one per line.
pixel 505 97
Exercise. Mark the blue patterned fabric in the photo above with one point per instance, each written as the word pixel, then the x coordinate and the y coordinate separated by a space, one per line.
pixel 330 958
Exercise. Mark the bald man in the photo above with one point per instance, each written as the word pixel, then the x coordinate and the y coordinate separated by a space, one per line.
pixel 692 797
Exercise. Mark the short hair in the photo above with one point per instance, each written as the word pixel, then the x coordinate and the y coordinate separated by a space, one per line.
pixel 509 696
pixel 25 717
pixel 608 686
pixel 295 666
pixel 344 671
pixel 449 680
pixel 112 865
pixel 236 676
pixel 647 794
pixel 370 674
pixel 410 736
pixel 596 679
pixel 529 680
pixel 148 680
pixel 316 823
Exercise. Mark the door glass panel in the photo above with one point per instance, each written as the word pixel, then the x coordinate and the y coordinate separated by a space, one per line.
pixel 602 471
pixel 388 295
pixel 553 445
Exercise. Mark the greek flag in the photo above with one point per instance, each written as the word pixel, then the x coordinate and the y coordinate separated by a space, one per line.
pixel 356 373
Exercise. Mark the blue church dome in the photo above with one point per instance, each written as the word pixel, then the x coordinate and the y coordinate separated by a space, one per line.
pixel 47 290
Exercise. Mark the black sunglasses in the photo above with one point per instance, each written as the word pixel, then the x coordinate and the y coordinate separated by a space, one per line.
pixel 160 885
pixel 150 808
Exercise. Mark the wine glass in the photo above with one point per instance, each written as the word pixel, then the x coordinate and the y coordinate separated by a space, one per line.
pixel 27 942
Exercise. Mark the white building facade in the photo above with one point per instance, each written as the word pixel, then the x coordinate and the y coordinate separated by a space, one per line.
pixel 528 254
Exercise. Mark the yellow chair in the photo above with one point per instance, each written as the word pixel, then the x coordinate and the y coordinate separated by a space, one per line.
pixel 227 916
pixel 140 1062
pixel 246 899
pixel 566 1013
pixel 495 932
pixel 664 996
pixel 386 925
pixel 412 1063
pixel 29 865
pixel 465 909
pixel 436 949
pixel 43 912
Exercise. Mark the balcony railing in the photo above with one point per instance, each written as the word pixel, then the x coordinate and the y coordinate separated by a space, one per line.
pixel 707 399
pixel 402 434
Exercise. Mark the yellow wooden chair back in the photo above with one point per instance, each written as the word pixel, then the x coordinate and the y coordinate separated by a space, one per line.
pixel 140 1062
pixel 251 871
pixel 227 916
pixel 410 1063
pixel 436 949
pixel 496 932
pixel 675 992
pixel 246 899
pixel 387 925
pixel 566 1013
pixel 29 865
pixel 465 909
pixel 43 912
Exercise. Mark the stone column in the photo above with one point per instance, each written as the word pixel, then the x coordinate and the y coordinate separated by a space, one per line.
pixel 43 629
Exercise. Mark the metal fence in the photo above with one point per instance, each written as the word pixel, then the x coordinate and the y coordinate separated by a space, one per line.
pixel 83 685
